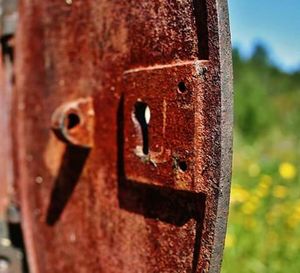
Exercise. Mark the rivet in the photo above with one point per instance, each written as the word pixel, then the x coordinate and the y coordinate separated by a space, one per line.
pixel 39 180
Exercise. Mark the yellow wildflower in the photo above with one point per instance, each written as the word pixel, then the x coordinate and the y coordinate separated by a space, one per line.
pixel 294 219
pixel 280 192
pixel 238 195
pixel 251 205
pixel 229 241
pixel 253 170
pixel 287 170
pixel 249 208
pixel 264 186
pixel 266 181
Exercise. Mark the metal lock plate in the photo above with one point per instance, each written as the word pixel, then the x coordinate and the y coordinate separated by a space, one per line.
pixel 159 147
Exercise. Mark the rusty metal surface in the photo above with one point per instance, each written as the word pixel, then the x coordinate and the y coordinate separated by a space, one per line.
pixel 144 199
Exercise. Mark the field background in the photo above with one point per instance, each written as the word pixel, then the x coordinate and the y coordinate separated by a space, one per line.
pixel 264 222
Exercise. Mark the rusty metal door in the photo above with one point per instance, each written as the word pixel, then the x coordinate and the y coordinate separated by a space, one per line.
pixel 122 123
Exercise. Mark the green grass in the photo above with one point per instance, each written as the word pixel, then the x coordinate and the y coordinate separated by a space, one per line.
pixel 264 220
pixel 264 215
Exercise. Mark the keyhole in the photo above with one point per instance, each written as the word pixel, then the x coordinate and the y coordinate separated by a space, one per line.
pixel 143 115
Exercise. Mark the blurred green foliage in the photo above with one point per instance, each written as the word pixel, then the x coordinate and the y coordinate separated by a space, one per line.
pixel 264 219
pixel 265 97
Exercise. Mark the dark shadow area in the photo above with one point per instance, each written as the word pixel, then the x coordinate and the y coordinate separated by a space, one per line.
pixel 15 235
pixel 17 240
pixel 200 13
pixel 72 165
pixel 164 204
pixel 7 46
pixel 172 206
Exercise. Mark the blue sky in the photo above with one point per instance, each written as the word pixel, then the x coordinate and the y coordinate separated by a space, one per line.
pixel 275 22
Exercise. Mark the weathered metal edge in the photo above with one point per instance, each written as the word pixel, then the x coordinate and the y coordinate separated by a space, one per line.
pixel 225 54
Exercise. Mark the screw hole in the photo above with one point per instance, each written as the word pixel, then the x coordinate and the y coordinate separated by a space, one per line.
pixel 182 87
pixel 182 166
pixel 73 121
